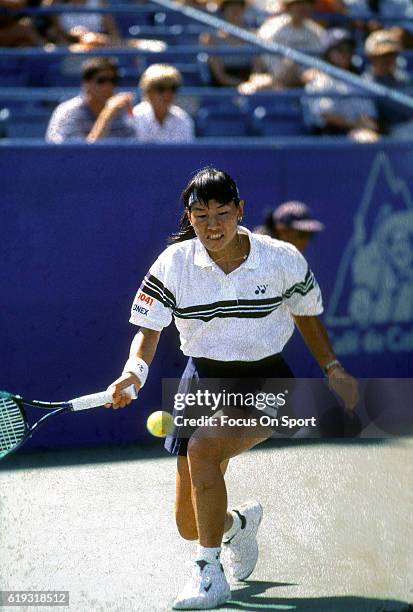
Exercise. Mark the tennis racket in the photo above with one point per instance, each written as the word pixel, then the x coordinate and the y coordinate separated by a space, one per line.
pixel 15 428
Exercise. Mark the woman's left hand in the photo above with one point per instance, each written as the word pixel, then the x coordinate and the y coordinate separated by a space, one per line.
pixel 345 386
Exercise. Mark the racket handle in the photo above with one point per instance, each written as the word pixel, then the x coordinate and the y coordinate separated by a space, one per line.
pixel 98 399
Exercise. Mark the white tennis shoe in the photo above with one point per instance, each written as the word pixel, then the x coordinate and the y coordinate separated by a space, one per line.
pixel 240 553
pixel 207 588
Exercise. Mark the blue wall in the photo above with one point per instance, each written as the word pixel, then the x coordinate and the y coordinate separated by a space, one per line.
pixel 81 225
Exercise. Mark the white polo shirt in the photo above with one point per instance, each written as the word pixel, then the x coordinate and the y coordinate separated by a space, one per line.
pixel 242 316
pixel 177 127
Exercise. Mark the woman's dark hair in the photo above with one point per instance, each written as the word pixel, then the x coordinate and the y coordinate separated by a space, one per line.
pixel 207 184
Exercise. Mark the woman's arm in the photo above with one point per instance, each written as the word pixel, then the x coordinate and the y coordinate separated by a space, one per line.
pixel 144 347
pixel 316 338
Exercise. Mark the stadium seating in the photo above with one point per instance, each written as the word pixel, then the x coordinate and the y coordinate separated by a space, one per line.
pixel 270 122
pixel 224 121
pixel 217 111
pixel 22 124
pixel 4 122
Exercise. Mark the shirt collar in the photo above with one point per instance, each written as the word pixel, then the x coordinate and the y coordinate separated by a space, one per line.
pixel 203 260
pixel 150 111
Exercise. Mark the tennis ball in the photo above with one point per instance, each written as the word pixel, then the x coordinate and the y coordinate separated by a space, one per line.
pixel 160 423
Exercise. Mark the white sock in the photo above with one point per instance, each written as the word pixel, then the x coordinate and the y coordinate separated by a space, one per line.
pixel 235 527
pixel 210 555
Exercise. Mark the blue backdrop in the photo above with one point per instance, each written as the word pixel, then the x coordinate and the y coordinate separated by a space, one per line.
pixel 80 226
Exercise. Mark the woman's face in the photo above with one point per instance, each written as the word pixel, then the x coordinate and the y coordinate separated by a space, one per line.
pixel 215 224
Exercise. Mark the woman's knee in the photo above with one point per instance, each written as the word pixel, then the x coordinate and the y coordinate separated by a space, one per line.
pixel 204 464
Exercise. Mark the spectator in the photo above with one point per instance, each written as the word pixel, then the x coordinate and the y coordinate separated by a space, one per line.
pixel 338 115
pixel 97 112
pixel 227 70
pixel 293 28
pixel 292 222
pixel 15 29
pixel 382 48
pixel 86 29
pixel 157 118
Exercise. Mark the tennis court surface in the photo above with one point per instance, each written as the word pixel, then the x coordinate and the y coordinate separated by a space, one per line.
pixel 336 533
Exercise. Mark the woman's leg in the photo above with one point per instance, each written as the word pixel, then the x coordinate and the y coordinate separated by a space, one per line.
pixel 206 452
pixel 184 510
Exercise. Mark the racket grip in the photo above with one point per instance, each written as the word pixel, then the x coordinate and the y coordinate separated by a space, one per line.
pixel 98 399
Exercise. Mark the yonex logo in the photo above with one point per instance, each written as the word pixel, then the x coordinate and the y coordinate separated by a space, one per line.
pixel 141 309
pixel 261 289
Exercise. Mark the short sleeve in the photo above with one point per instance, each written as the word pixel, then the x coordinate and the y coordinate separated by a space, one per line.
pixel 154 302
pixel 302 294
pixel 64 124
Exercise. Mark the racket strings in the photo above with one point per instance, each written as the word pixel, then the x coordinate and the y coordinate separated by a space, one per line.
pixel 12 425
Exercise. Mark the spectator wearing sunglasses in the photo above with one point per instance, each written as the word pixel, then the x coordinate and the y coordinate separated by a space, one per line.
pixel 97 112
pixel 291 222
pixel 157 119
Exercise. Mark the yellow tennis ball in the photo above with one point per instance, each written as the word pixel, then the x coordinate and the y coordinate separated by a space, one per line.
pixel 160 423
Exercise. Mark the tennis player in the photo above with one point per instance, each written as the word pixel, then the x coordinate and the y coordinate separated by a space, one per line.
pixel 235 298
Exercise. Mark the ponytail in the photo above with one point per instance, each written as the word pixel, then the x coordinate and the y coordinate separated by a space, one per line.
pixel 185 231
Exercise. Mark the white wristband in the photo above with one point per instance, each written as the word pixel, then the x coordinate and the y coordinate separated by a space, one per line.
pixel 138 367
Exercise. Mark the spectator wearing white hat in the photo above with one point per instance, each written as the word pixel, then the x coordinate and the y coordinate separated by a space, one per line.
pixel 382 49
pixel 291 222
pixel 157 118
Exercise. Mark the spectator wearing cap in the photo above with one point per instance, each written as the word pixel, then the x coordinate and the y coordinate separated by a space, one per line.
pixel 97 112
pixel 292 28
pixel 345 112
pixel 292 222
pixel 382 49
pixel 157 119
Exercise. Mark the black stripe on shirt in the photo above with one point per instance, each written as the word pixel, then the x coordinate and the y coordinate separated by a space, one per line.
pixel 228 314
pixel 302 288
pixel 153 287
pixel 155 281
pixel 244 308
pixel 237 309
pixel 267 303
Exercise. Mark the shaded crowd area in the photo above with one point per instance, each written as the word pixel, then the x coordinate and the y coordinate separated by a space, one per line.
pixel 211 83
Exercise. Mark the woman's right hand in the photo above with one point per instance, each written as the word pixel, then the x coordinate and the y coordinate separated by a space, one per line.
pixel 120 396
